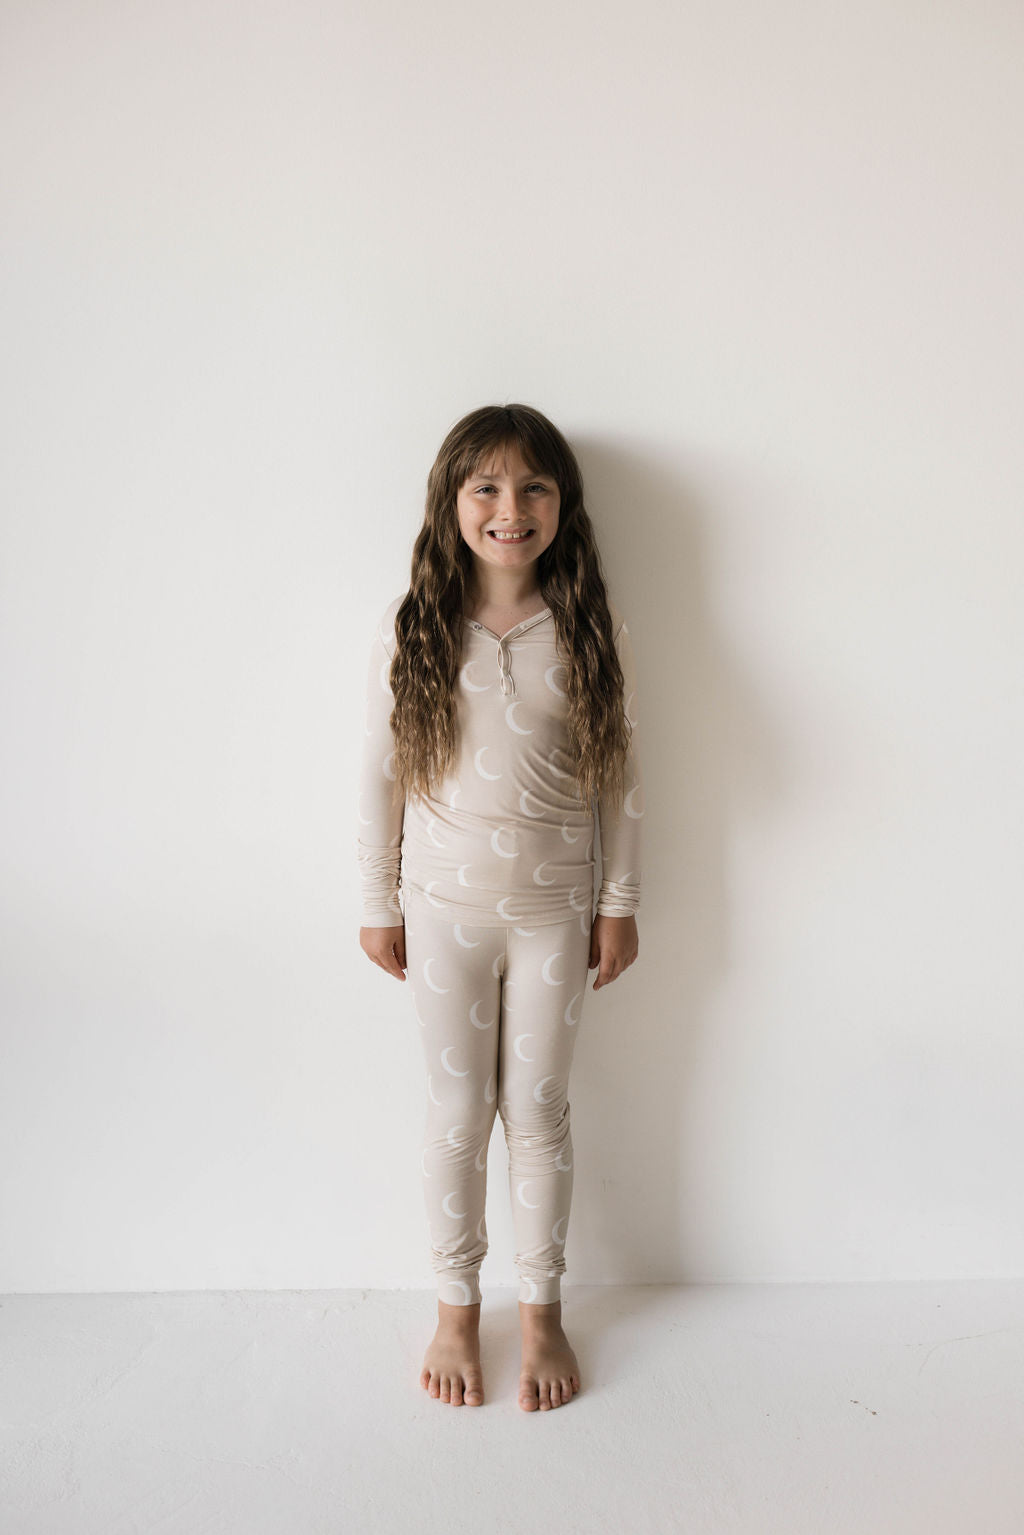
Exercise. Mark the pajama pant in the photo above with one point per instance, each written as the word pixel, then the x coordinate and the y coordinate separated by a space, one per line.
pixel 499 1009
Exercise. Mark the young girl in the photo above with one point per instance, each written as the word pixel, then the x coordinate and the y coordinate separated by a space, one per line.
pixel 500 718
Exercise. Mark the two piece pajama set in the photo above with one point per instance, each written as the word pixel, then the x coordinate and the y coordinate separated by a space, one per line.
pixel 493 875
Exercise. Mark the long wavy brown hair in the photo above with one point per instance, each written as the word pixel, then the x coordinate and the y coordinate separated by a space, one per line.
pixel 429 621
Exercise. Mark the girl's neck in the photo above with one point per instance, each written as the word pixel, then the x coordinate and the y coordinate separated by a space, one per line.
pixel 520 593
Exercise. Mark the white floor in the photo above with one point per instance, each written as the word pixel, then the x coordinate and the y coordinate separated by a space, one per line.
pixel 823 1409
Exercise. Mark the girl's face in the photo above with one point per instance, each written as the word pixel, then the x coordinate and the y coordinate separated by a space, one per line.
pixel 507 514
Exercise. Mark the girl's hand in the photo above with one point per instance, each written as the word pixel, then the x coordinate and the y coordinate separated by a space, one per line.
pixel 614 945
pixel 386 947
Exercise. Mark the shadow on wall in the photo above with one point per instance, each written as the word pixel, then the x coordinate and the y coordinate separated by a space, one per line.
pixel 708 760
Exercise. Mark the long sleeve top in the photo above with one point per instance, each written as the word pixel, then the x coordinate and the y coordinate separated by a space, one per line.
pixel 504 838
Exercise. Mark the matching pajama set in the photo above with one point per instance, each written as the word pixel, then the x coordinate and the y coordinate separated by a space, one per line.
pixel 493 875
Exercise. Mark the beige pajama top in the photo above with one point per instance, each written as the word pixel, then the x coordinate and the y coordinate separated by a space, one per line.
pixel 503 839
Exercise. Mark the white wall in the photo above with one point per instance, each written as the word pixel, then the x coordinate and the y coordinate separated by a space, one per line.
pixel 762 265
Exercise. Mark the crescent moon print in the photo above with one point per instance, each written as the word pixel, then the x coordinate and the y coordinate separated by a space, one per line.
pixel 533 1290
pixel 576 905
pixel 441 990
pixel 430 831
pixel 475 1021
pixel 522 1197
pixel 496 967
pixel 383 677
pixel 586 925
pixel 451 1069
pixel 549 678
pixel 464 1287
pixel 544 969
pixel 490 1089
pixel 453 1135
pixel 565 833
pixel 473 687
pixel 525 932
pixel 517 1045
pixel 524 807
pixel 455 1214
pixel 634 815
pixel 480 1161
pixel 467 943
pixel 538 879
pixel 540 1095
pixel 481 1233
pixel 553 765
pixel 430 1091
pixel 388 766
pixel 567 1015
pixel 480 767
pixel 432 899
pixel 631 718
pixel 501 909
pixel 563 1167
pixel 454 796
pixel 558 1240
pixel 520 730
pixel 423 1163
pixel 461 876
pixel 496 841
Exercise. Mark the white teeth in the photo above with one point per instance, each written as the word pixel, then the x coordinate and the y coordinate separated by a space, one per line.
pixel 510 538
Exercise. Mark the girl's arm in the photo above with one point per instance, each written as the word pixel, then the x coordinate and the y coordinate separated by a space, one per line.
pixel 613 940
pixel 379 842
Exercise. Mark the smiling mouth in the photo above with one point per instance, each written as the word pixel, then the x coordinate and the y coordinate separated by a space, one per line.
pixel 510 538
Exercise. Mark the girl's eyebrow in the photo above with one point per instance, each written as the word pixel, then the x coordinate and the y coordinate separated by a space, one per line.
pixel 534 474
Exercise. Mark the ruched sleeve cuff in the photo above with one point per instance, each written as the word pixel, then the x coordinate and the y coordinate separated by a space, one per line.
pixel 621 839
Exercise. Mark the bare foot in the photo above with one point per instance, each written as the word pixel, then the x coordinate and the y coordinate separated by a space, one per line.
pixel 550 1374
pixel 451 1366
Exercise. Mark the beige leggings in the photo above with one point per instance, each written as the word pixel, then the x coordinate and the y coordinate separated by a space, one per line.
pixel 499 1010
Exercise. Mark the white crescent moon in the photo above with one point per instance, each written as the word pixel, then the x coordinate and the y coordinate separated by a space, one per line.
pixel 457 790
pixel 490 1093
pixel 517 1044
pixel 441 990
pixel 553 765
pixel 634 815
pixel 423 1163
pixel 452 1136
pixel 524 1201
pixel 525 932
pixel 463 1285
pixel 451 1069
pixel 538 880
pixel 430 831
pixel 388 766
pixel 467 943
pixel 524 807
pixel 563 1167
pixel 496 967
pixel 533 1290
pixel 474 1020
pixel 565 833
pixel 545 967
pixel 433 901
pixel 558 1240
pixel 455 1214
pixel 574 903
pixel 481 1235
pixel 481 769
pixel 549 678
pixel 501 913
pixel 430 1090
pixel 633 721
pixel 538 1091
pixel 520 730
pixel 461 876
pixel 481 1159
pixel 384 677
pixel 496 844
pixel 473 687
pixel 567 1015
